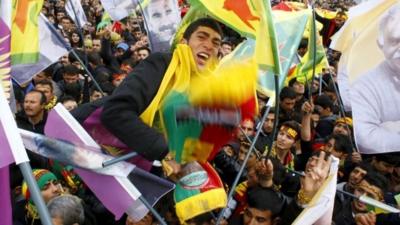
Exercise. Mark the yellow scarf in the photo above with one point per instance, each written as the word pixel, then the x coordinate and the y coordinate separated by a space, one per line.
pixel 177 77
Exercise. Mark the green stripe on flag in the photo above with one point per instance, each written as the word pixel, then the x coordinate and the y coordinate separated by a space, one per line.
pixel 24 58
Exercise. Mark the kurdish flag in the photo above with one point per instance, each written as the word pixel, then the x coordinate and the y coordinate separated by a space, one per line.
pixel 252 19
pixel 315 51
pixel 25 31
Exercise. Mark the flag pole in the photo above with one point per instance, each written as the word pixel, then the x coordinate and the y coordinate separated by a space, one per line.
pixel 36 195
pixel 152 210
pixel 69 48
pixel 276 121
pixel 23 160
pixel 314 34
pixel 119 159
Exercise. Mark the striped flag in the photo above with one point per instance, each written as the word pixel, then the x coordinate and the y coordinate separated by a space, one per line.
pixel 75 5
pixel 25 31
pixel 61 125
pixel 52 47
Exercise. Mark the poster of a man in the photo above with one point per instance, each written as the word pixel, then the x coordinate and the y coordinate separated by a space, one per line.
pixel 162 18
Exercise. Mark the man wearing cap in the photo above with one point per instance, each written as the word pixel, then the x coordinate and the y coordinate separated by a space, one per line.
pixel 25 211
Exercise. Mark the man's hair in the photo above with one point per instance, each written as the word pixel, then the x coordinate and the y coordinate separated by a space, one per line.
pixel 287 92
pixel 271 110
pixel 144 48
pixel 294 125
pixel 390 158
pixel 204 22
pixel 378 180
pixel 45 82
pixel 324 101
pixel 265 199
pixel 94 58
pixel 67 98
pixel 68 208
pixel 42 96
pixel 342 143
pixel 71 69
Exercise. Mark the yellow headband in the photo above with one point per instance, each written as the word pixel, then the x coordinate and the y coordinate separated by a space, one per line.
pixel 345 120
pixel 293 133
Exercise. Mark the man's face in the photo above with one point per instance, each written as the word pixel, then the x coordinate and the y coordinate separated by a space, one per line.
pixel 46 89
pixel 341 128
pixel 287 104
pixel 383 167
pixel 163 18
pixel 50 191
pixel 70 105
pixel 248 128
pixel 204 43
pixel 66 24
pixel 226 49
pixel 64 60
pixel 253 216
pixel 356 176
pixel 60 15
pixel 269 123
pixel 32 106
pixel 242 155
pixel 311 163
pixel 284 140
pixel 330 147
pixel 95 95
pixel 142 54
pixel 96 45
pixel 39 77
pixel 70 78
pixel 298 88
pixel 369 190
pixel 252 178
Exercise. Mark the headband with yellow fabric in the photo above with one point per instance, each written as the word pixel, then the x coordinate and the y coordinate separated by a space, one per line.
pixel 346 120
pixel 42 178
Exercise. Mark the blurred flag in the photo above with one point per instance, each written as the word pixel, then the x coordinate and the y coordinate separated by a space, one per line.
pixel 5 42
pixel 25 31
pixel 52 47
pixel 60 124
pixel 75 5
pixel 252 19
pixel 119 9
pixel 162 19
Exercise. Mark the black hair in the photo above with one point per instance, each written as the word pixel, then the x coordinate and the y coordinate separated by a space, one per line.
pixel 94 58
pixel 66 98
pixel 390 158
pixel 287 92
pixel 144 48
pixel 42 96
pixel 342 143
pixel 292 81
pixel 45 82
pixel 71 69
pixel 72 58
pixel 303 43
pixel 294 125
pixel 324 101
pixel 271 110
pixel 265 199
pixel 205 22
pixel 378 180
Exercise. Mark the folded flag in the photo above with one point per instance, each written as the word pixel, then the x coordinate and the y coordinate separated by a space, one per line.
pixel 60 124
pixel 75 11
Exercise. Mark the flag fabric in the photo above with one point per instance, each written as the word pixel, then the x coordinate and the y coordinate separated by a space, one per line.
pixel 75 5
pixel 119 9
pixel 25 27
pixel 358 37
pixel 5 41
pixel 319 210
pixel 198 192
pixel 162 19
pixel 52 47
pixel 60 124
pixel 252 19
pixel 289 30
pixel 304 70
pixel 5 197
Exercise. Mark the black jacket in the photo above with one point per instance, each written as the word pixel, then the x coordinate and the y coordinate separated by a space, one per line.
pixel 121 113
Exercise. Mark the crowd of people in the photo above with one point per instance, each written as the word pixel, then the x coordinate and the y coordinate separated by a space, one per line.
pixel 124 76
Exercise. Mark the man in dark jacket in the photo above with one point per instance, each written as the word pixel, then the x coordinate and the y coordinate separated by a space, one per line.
pixel 121 113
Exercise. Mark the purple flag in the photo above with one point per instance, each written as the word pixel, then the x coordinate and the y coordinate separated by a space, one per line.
pixel 117 193
pixel 5 201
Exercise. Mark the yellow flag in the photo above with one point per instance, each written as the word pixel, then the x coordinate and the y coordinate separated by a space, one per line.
pixel 25 31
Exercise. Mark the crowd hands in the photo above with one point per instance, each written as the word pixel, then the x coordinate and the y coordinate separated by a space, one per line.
pixel 312 130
